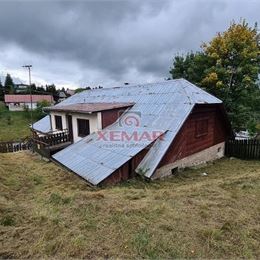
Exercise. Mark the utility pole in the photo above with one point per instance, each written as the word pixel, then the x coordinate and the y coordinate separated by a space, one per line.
pixel 30 87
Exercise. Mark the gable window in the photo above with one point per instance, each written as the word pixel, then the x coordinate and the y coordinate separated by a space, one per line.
pixel 83 127
pixel 201 127
pixel 58 122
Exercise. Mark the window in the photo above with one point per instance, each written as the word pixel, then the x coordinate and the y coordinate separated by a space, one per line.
pixel 201 127
pixel 83 127
pixel 58 122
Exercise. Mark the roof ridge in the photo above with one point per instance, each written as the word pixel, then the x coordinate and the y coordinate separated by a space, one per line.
pixel 131 86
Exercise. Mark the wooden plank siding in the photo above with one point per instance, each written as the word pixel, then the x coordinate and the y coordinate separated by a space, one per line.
pixel 187 143
pixel 108 117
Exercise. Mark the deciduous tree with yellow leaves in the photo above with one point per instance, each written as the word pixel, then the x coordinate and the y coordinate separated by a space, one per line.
pixel 228 67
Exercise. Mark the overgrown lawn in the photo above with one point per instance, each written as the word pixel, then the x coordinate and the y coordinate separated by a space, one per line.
pixel 48 212
pixel 14 125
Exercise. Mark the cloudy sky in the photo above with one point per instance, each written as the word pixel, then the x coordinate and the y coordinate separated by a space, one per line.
pixel 80 43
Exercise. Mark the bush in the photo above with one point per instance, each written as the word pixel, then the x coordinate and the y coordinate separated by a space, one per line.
pixel 39 113
pixel 7 221
pixel 8 119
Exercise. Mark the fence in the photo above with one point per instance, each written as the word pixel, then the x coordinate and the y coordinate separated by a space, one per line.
pixel 243 149
pixel 52 139
pixel 49 144
pixel 15 146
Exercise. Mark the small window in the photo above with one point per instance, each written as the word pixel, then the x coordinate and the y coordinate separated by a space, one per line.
pixel 83 127
pixel 58 122
pixel 201 127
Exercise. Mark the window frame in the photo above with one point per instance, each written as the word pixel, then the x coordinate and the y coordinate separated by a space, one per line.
pixel 57 122
pixel 200 129
pixel 83 133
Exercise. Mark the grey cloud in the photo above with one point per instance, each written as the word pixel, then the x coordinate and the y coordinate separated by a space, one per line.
pixel 111 38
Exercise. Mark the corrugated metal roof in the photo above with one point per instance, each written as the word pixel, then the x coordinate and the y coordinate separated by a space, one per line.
pixel 43 125
pixel 161 107
pixel 95 159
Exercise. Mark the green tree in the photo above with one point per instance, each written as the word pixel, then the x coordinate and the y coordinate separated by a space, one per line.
pixel 228 67
pixel 78 90
pixel 39 113
pixel 192 67
pixel 51 90
pixel 1 92
pixel 9 84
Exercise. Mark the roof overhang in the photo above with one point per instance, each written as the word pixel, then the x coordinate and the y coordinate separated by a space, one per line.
pixel 88 108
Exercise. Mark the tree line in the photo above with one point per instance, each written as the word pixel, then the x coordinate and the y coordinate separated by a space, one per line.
pixel 9 87
pixel 228 67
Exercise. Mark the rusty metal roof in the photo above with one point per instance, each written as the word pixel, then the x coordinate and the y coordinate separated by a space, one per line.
pixel 88 107
pixel 162 106
pixel 27 98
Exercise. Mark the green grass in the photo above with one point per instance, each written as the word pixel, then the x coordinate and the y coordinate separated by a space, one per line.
pixel 48 212
pixel 14 125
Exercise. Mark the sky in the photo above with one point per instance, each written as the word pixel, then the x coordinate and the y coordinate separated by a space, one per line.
pixel 90 43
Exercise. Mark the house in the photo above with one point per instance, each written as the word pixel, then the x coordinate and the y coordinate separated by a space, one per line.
pixel 19 102
pixel 150 129
pixel 62 96
pixel 21 88
pixel 70 92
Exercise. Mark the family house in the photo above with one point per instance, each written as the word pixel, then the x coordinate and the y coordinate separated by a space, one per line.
pixel 149 129
pixel 20 102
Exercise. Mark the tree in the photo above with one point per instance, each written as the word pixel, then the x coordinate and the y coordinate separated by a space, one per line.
pixel 40 90
pixel 9 84
pixel 1 92
pixel 51 89
pixel 39 113
pixel 33 88
pixel 78 90
pixel 191 67
pixel 228 67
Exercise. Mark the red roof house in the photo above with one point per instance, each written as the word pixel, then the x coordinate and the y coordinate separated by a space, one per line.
pixel 19 102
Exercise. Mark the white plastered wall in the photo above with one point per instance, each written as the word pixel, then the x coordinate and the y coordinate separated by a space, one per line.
pixel 95 122
pixel 20 106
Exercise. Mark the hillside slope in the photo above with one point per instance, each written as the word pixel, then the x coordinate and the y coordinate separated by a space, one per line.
pixel 48 212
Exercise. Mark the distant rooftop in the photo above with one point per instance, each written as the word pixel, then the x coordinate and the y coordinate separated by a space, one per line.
pixel 27 98
pixel 89 107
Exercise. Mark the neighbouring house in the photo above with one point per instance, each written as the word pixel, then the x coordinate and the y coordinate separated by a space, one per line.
pixel 244 135
pixel 70 92
pixel 20 102
pixel 112 134
pixel 21 88
pixel 62 96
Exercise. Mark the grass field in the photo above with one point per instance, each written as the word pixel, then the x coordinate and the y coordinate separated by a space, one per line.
pixel 13 125
pixel 47 212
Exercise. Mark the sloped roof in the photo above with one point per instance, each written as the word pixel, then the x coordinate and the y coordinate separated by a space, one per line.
pixel 27 98
pixel 94 159
pixel 43 125
pixel 162 106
